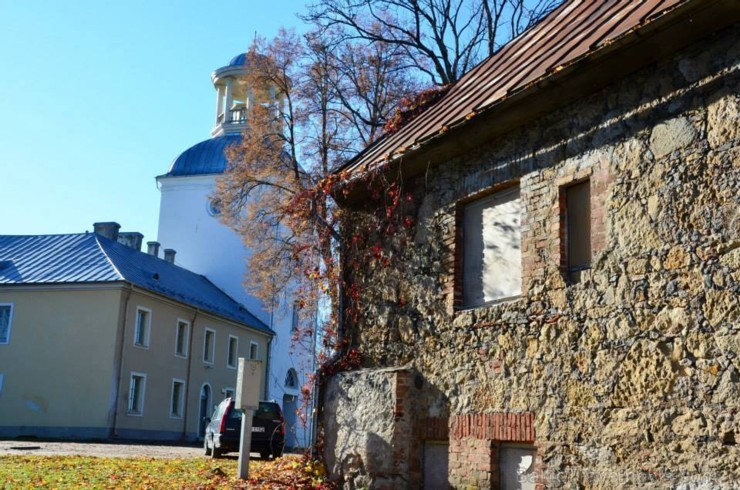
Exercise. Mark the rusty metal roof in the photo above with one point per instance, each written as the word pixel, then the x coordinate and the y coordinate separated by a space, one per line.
pixel 572 32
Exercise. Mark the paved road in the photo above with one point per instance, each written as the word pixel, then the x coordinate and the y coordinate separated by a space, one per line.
pixel 119 450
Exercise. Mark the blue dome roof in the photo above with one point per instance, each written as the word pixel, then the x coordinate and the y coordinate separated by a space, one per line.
pixel 207 157
pixel 238 60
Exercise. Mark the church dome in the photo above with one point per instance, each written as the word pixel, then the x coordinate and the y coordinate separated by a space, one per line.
pixel 242 60
pixel 238 60
pixel 207 157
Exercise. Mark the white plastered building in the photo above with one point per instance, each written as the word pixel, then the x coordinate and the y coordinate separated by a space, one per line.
pixel 189 224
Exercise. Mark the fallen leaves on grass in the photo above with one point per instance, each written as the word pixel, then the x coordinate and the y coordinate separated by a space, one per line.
pixel 73 472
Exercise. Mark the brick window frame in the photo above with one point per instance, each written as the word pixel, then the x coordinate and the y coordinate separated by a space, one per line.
pixel 599 179
pixel 476 440
pixel 453 281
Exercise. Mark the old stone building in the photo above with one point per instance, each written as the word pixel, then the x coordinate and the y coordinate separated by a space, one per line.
pixel 558 303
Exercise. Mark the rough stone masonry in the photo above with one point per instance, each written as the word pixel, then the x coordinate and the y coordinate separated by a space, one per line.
pixel 629 378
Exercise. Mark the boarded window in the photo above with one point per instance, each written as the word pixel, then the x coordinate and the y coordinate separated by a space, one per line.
pixel 436 464
pixel 516 467
pixel 578 228
pixel 492 248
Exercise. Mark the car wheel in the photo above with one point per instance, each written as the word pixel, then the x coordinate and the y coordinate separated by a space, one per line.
pixel 206 447
pixel 215 451
pixel 278 453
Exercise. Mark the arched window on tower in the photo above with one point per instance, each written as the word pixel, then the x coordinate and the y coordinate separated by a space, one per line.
pixel 291 379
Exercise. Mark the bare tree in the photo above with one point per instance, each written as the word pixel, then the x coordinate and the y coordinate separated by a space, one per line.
pixel 317 103
pixel 371 80
pixel 442 39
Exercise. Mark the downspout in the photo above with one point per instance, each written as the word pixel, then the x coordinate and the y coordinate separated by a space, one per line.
pixel 191 334
pixel 112 432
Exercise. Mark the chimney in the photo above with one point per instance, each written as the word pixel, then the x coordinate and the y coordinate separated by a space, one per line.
pixel 108 229
pixel 169 255
pixel 152 248
pixel 131 239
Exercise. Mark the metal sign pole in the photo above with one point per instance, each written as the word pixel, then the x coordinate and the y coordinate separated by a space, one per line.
pixel 245 444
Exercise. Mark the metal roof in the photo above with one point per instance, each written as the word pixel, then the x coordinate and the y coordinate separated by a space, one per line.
pixel 573 31
pixel 92 258
pixel 206 157
pixel 238 60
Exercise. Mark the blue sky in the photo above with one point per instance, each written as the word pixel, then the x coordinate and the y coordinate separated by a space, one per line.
pixel 97 97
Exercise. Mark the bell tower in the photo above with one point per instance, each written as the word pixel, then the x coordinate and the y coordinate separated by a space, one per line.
pixel 234 97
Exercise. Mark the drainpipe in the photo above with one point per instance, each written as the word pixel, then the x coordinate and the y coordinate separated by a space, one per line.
pixel 112 432
pixel 191 334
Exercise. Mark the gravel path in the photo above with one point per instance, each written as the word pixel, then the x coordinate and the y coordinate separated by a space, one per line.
pixel 107 450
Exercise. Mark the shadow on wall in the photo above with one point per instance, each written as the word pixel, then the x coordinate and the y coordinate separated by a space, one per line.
pixel 373 434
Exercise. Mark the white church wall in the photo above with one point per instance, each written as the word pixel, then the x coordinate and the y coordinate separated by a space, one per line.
pixel 206 246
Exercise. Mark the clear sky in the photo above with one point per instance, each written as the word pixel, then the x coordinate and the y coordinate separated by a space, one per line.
pixel 97 97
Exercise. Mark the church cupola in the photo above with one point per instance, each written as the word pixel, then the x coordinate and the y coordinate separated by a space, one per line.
pixel 234 98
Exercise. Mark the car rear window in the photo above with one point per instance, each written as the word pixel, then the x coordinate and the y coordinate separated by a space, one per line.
pixel 267 411
pixel 235 414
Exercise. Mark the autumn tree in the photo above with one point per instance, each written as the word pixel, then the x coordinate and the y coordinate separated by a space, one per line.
pixel 316 102
pixel 442 39
pixel 322 97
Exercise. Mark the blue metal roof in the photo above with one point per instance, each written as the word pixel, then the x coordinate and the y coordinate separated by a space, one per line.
pixel 238 60
pixel 91 258
pixel 207 157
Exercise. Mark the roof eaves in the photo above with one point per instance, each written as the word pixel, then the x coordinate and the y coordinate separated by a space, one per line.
pixel 597 49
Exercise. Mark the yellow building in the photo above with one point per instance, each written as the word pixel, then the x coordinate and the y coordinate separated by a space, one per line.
pixel 99 340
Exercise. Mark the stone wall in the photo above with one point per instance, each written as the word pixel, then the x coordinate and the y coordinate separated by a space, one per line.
pixel 632 375
pixel 370 429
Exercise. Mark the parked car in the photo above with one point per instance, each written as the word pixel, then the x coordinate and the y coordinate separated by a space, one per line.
pixel 224 428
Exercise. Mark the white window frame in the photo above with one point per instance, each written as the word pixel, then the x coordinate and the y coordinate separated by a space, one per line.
pixel 482 255
pixel 228 392
pixel 10 322
pixel 208 357
pixel 254 347
pixel 186 340
pixel 180 400
pixel 147 327
pixel 131 409
pixel 229 364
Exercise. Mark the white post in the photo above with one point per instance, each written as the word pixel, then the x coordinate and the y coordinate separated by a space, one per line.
pixel 245 444
pixel 248 381
pixel 219 101
pixel 229 101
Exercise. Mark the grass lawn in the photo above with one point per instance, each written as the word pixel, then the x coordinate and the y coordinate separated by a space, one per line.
pixel 75 472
